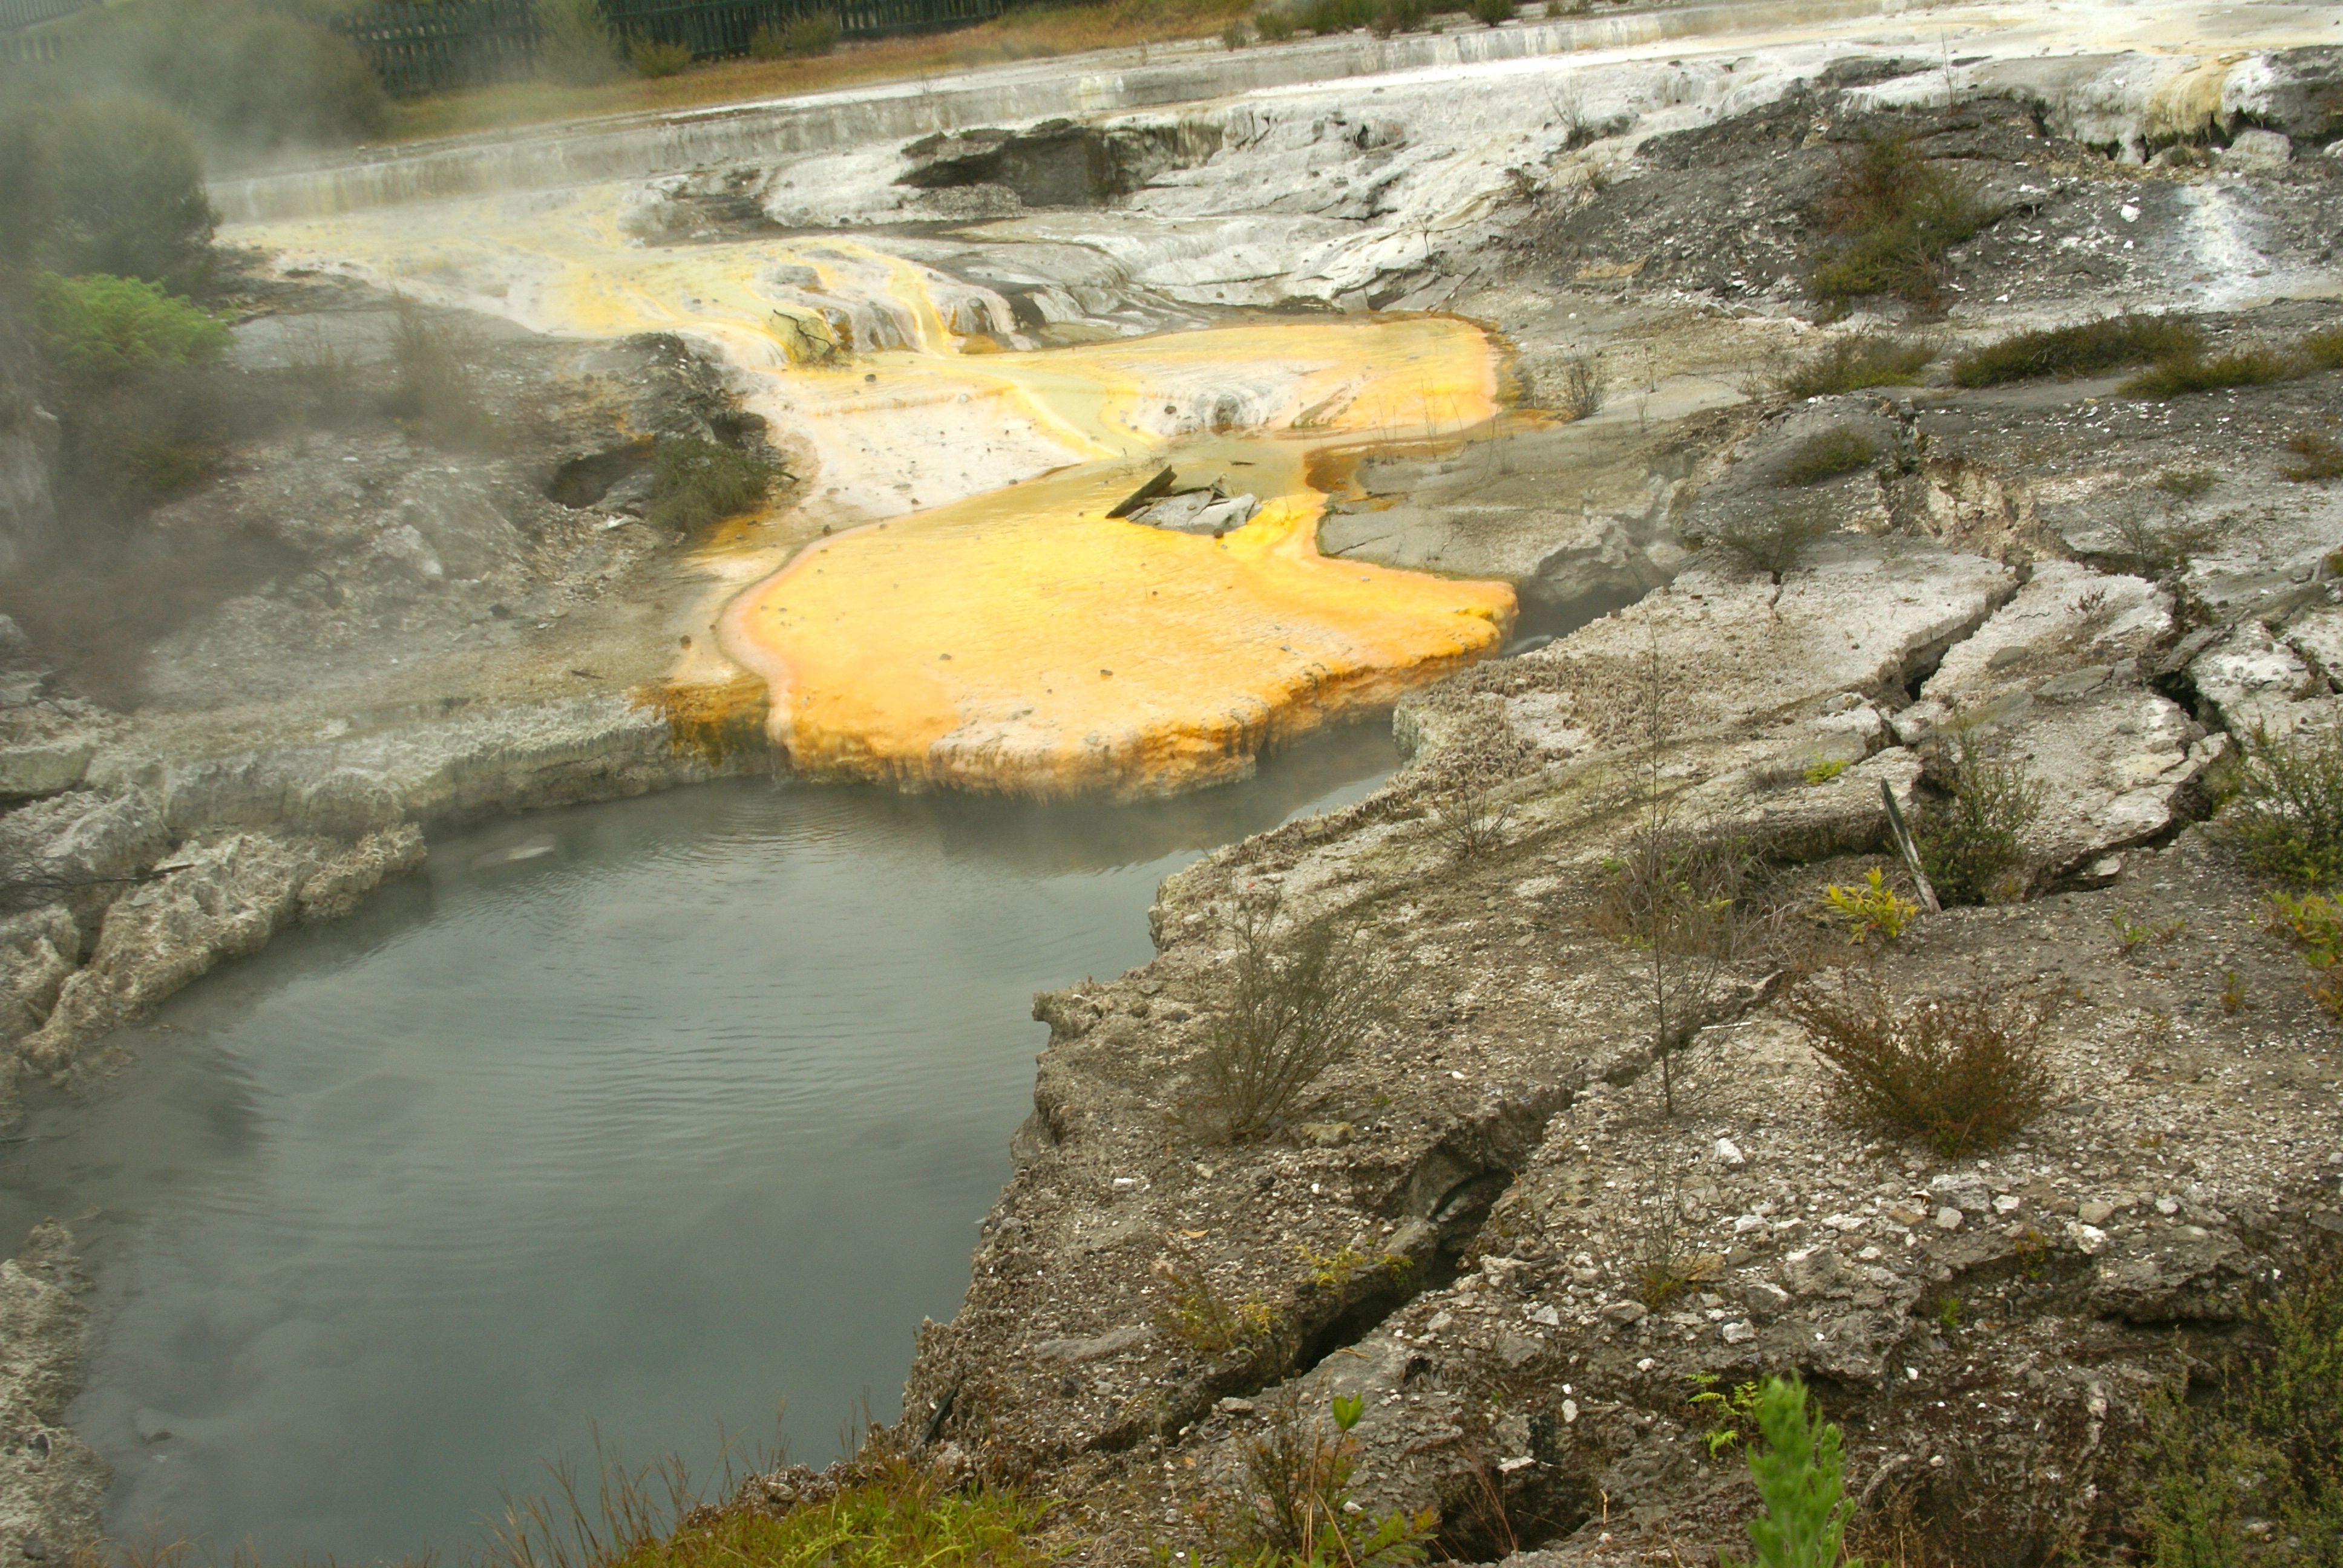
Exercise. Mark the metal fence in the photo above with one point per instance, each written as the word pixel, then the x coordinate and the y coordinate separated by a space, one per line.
pixel 16 14
pixel 429 46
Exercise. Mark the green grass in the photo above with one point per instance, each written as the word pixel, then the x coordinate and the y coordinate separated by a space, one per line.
pixel 1852 362
pixel 1972 845
pixel 1836 451
pixel 2087 349
pixel 2183 374
pixel 1889 222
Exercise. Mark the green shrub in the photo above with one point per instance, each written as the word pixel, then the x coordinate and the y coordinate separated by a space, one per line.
pixel 698 482
pixel 810 35
pixel 2324 350
pixel 1236 35
pixel 2287 816
pixel 2314 924
pixel 1401 16
pixel 250 76
pixel 1296 1509
pixel 2067 352
pixel 1292 1005
pixel 2253 1475
pixel 1850 363
pixel 115 186
pixel 2321 457
pixel 1770 539
pixel 1338 15
pixel 2183 374
pixel 1274 26
pixel 1971 845
pixel 1489 13
pixel 1889 222
pixel 2185 484
pixel 100 331
pixel 1827 455
pixel 1800 1471
pixel 657 60
pixel 574 45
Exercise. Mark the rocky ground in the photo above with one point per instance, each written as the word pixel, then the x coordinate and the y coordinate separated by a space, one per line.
pixel 381 627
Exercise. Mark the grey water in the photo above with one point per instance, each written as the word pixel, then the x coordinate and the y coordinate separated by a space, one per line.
pixel 642 1120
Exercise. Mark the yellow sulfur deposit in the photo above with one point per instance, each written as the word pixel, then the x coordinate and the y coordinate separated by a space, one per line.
pixel 986 625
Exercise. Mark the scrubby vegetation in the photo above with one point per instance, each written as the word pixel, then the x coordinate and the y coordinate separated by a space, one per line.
pixel 575 45
pixel 1295 1510
pixel 1273 25
pixel 2314 922
pixel 1971 843
pixel 106 185
pixel 2088 348
pixel 2253 1473
pixel 1770 539
pixel 2317 457
pixel 1889 222
pixel 1580 395
pixel 699 482
pixel 1827 455
pixel 251 76
pixel 802 39
pixel 1959 1073
pixel 2180 375
pixel 2288 816
pixel 1294 1003
pixel 1852 362
pixel 1195 1312
pixel 657 60
pixel 1491 13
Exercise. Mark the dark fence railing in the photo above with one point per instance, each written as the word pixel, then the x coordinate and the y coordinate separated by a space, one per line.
pixel 429 46
pixel 16 14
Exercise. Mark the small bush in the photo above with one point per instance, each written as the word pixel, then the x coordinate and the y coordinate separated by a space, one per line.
pixel 1489 13
pixel 2315 924
pixel 2184 484
pixel 1338 15
pixel 2253 1475
pixel 1296 1510
pixel 657 60
pixel 1470 820
pixel 2068 352
pixel 806 38
pixel 1274 26
pixel 1290 1009
pixel 1581 394
pixel 1194 1313
pixel 1770 539
pixel 1872 909
pixel 1826 455
pixel 438 395
pixel 764 44
pixel 1236 35
pixel 1401 16
pixel 2152 547
pixel 1800 1472
pixel 1960 1072
pixel 2321 457
pixel 1890 221
pixel 697 483
pixel 1972 845
pixel 1852 362
pixel 119 190
pixel 2184 374
pixel 2324 350
pixel 2288 816
pixel 101 331
pixel 575 45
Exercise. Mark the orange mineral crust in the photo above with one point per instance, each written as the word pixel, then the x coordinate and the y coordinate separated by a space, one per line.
pixel 1024 641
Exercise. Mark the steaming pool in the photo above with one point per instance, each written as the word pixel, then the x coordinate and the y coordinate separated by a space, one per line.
pixel 641 1119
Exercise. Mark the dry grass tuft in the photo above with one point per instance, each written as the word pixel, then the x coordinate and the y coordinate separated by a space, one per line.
pixel 1852 362
pixel 1770 539
pixel 1827 455
pixel 1961 1072
pixel 2320 458
pixel 2086 350
pixel 2183 374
